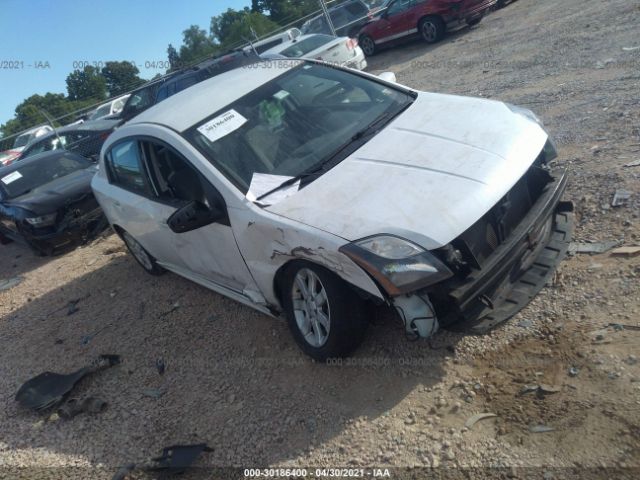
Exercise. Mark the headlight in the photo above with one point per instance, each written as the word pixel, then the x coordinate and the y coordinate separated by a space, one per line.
pixel 43 221
pixel 397 264
pixel 550 150
pixel 525 112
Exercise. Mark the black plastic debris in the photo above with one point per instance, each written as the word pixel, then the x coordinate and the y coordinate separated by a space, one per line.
pixel 177 458
pixel 75 406
pixel 49 389
pixel 174 460
pixel 160 365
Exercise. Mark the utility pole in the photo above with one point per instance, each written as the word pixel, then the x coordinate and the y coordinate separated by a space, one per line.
pixel 323 5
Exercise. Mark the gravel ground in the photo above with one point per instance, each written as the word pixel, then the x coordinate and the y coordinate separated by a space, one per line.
pixel 235 379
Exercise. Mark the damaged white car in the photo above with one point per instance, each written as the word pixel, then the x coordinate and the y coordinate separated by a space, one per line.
pixel 309 190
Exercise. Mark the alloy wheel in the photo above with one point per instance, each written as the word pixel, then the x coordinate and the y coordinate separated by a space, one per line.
pixel 311 307
pixel 429 32
pixel 138 251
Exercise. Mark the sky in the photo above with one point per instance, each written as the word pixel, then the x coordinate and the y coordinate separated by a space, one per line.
pixel 46 39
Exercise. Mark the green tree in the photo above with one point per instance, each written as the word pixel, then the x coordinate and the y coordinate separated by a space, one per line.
pixel 285 11
pixel 234 27
pixel 174 58
pixel 86 84
pixel 196 45
pixel 120 77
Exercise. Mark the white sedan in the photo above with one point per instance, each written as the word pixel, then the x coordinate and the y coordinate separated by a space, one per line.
pixel 311 190
pixel 342 51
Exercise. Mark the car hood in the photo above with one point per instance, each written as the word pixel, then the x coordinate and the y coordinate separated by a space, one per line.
pixel 427 176
pixel 50 197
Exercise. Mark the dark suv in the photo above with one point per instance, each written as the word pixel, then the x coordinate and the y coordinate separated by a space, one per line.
pixel 156 91
pixel 347 19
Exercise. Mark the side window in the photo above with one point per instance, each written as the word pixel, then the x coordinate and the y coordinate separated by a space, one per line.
pixel 400 6
pixel 125 168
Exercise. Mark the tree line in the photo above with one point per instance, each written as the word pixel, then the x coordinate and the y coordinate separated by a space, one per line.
pixel 91 84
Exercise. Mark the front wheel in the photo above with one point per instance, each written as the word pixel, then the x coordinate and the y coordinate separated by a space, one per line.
pixel 432 29
pixel 367 44
pixel 144 258
pixel 325 316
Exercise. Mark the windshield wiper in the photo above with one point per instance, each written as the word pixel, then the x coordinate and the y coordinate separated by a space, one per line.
pixel 372 128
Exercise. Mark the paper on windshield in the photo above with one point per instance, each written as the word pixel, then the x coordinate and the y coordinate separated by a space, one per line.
pixel 222 125
pixel 12 177
pixel 261 183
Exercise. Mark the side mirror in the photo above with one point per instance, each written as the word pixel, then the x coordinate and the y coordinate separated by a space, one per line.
pixel 388 77
pixel 193 215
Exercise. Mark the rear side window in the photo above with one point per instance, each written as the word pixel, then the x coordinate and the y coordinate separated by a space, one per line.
pixel 125 169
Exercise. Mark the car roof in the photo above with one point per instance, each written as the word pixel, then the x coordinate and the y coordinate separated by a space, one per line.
pixel 188 107
pixel 40 157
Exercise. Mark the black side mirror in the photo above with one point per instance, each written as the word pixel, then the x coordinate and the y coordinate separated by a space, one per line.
pixel 193 215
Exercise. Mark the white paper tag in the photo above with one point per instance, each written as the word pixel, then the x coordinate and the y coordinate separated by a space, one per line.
pixel 222 125
pixel 12 177
pixel 261 183
pixel 282 94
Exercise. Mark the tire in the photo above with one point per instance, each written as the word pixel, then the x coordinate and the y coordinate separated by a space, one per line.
pixel 367 45
pixel 432 29
pixel 344 324
pixel 144 258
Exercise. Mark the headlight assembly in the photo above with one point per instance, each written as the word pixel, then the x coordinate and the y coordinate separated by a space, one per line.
pixel 398 265
pixel 43 221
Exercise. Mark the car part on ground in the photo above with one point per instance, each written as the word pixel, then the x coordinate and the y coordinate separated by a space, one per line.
pixel 49 389
pixel 46 202
pixel 303 190
pixel 400 19
pixel 174 460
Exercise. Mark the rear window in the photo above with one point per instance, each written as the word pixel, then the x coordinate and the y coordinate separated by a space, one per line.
pixel 38 173
pixel 307 45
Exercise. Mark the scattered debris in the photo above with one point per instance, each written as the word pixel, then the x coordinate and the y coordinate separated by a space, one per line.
pixel 476 418
pixel 72 306
pixel 6 284
pixel 620 326
pixel 635 163
pixel 92 261
pixel 174 460
pixel 620 198
pixel 632 251
pixel 540 429
pixel 49 389
pixel 540 389
pixel 630 49
pixel 596 247
pixel 74 406
pixel 160 365
pixel 573 372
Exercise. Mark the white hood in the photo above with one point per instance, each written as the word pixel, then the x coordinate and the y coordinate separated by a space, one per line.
pixel 428 176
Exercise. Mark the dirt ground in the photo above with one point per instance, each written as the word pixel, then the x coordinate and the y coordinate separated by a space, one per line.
pixel 235 379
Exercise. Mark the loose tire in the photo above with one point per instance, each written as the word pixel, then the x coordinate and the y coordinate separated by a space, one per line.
pixel 144 258
pixel 367 45
pixel 432 29
pixel 325 316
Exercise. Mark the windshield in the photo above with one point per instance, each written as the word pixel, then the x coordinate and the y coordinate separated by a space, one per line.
pixel 302 47
pixel 103 111
pixel 34 174
pixel 293 123
pixel 22 140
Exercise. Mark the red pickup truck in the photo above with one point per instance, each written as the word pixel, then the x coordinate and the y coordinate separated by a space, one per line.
pixel 430 19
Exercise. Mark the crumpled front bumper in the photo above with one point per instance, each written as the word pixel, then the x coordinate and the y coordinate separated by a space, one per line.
pixel 72 228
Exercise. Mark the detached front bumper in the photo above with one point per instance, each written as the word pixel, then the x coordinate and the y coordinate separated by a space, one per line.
pixel 517 270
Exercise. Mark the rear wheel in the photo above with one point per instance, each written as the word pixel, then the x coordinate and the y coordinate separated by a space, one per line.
pixel 367 44
pixel 325 316
pixel 144 258
pixel 432 29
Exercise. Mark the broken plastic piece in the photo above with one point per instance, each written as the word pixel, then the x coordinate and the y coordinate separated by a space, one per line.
pixel 626 251
pixel 620 198
pixel 596 247
pixel 178 458
pixel 6 284
pixel 476 418
pixel 540 429
pixel 49 389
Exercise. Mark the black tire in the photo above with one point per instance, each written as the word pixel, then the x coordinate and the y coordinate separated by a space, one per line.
pixel 346 313
pixel 367 45
pixel 432 29
pixel 137 251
